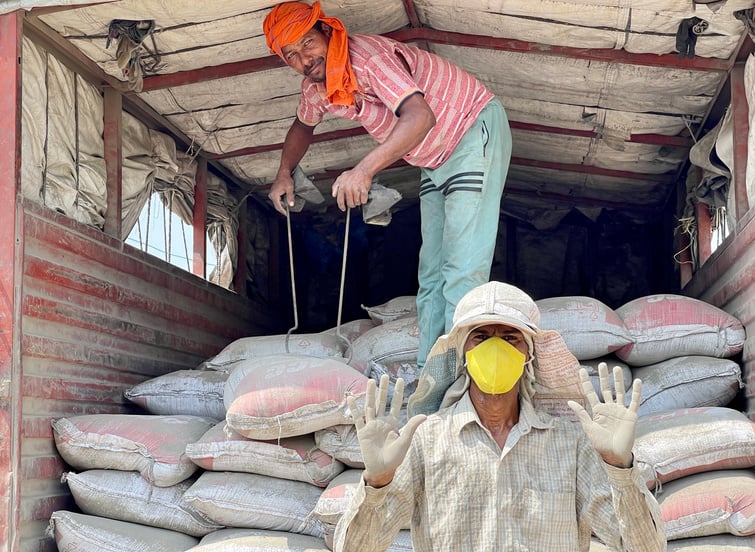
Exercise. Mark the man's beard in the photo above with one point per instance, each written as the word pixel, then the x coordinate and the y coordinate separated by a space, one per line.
pixel 317 64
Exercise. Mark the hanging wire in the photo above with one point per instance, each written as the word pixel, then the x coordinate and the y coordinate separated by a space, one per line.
pixel 687 119
pixel 343 282
pixel 688 227
pixel 293 280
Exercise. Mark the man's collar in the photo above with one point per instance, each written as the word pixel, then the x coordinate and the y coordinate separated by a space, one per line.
pixel 465 413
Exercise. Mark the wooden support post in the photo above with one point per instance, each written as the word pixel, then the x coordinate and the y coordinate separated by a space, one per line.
pixel 741 120
pixel 11 248
pixel 113 137
pixel 199 223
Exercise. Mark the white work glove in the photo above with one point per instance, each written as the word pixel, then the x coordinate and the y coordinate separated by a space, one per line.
pixel 613 425
pixel 383 447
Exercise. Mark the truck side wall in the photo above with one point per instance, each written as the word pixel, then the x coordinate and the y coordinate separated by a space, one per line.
pixel 727 280
pixel 98 317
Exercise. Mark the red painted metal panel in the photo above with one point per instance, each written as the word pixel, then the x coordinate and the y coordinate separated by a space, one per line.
pixel 120 308
pixel 727 280
pixel 66 237
pixel 99 319
pixel 10 165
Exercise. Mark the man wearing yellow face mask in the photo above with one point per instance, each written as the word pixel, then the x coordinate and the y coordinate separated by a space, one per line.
pixel 492 469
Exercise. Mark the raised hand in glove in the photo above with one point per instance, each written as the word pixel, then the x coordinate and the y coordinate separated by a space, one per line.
pixel 383 447
pixel 613 425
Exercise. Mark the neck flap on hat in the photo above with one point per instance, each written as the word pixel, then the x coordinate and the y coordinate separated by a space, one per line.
pixel 289 21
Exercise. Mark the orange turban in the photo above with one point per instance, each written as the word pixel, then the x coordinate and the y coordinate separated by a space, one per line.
pixel 289 21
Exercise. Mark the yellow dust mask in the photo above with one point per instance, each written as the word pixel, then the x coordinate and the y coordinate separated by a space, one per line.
pixel 495 365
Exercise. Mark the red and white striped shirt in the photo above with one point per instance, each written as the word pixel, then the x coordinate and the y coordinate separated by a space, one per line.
pixel 380 65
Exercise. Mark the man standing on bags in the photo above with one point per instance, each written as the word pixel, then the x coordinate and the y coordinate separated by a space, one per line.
pixel 492 470
pixel 420 108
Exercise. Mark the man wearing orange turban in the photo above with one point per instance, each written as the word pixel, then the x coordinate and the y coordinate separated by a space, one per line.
pixel 420 108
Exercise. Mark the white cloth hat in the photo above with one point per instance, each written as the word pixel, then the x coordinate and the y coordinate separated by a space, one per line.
pixel 497 303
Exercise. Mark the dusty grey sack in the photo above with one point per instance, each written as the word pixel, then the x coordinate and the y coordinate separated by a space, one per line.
pixel 127 496
pixel 73 531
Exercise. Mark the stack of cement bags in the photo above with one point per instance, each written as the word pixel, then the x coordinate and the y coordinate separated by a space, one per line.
pixel 234 456
pixel 693 450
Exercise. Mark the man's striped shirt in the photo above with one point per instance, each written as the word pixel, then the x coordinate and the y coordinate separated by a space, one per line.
pixel 388 72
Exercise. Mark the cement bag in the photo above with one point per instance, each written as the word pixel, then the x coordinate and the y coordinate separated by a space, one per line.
pixel 709 504
pixel 253 501
pixel 258 540
pixel 402 542
pixel 715 543
pixel 592 369
pixel 667 326
pixel 688 382
pixel 342 443
pixel 127 496
pixel 74 532
pixel 152 445
pixel 192 392
pixel 335 500
pixel 676 443
pixel 590 328
pixel 287 395
pixel 392 346
pixel 351 330
pixel 398 307
pixel 320 345
pixel 296 458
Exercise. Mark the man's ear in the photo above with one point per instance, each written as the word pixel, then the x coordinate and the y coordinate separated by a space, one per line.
pixel 326 29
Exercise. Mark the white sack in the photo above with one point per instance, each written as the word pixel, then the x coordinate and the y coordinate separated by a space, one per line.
pixel 73 531
pixel 688 382
pixel 398 307
pixel 342 443
pixel 296 458
pixel 258 540
pixel 286 395
pixel 252 501
pixel 676 443
pixel 709 504
pixel 590 328
pixel 320 345
pixel 192 392
pixel 127 496
pixel 152 445
pixel 666 326
pixel 390 345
